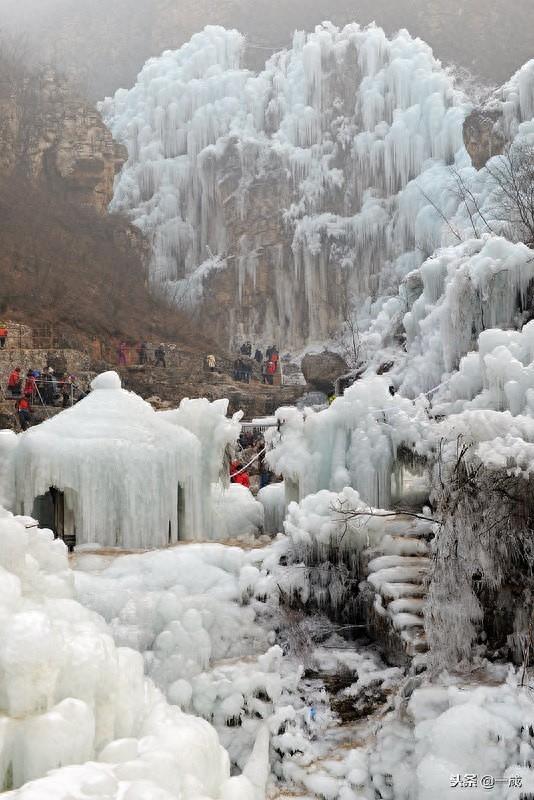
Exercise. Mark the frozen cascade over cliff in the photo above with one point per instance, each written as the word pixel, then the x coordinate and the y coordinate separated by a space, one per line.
pixel 336 127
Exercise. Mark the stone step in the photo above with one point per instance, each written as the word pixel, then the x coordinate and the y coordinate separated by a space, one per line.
pixel 388 561
pixel 395 591
pixel 411 605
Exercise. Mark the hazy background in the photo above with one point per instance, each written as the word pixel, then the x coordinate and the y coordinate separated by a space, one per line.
pixel 105 42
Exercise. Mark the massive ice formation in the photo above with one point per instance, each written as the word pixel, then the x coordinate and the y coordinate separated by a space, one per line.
pixel 353 443
pixel 111 470
pixel 69 696
pixel 293 180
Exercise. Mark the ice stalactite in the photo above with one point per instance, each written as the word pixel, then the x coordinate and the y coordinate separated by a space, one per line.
pixel 354 442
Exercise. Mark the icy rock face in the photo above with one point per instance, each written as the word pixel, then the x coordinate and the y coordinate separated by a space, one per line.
pixel 288 183
pixel 68 695
pixel 353 442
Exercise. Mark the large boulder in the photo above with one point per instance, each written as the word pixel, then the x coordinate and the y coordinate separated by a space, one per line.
pixel 322 369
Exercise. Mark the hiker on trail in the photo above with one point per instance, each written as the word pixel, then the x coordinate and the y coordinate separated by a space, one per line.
pixel 247 372
pixel 3 335
pixel 121 354
pixel 14 382
pixel 24 411
pixel 67 392
pixel 49 387
pixel 30 386
pixel 142 352
pixel 210 361
pixel 159 355
pixel 239 369
pixel 271 370
pixel 258 356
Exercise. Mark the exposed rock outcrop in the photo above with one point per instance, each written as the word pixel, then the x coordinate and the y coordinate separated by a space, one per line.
pixel 483 136
pixel 50 134
pixel 322 369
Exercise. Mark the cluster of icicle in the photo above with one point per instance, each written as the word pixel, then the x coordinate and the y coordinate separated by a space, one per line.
pixel 349 117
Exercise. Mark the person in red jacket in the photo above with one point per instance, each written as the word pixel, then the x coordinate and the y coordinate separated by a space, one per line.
pixel 243 479
pixel 30 386
pixel 24 412
pixel 239 475
pixel 14 383
pixel 3 335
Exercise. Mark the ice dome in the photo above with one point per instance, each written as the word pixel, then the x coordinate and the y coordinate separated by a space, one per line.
pixel 111 470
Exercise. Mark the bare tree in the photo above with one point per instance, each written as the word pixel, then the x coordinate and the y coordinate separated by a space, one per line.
pixel 349 336
pixel 513 203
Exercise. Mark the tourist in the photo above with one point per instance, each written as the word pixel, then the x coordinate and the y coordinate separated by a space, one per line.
pixel 234 467
pixel 242 477
pixel 3 335
pixel 30 386
pixel 271 370
pixel 159 356
pixel 121 354
pixel 210 360
pixel 258 356
pixel 24 411
pixel 142 352
pixel 67 392
pixel 239 370
pixel 14 383
pixel 49 387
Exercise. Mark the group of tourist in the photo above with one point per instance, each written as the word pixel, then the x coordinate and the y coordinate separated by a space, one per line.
pixel 142 354
pixel 244 368
pixel 254 462
pixel 45 387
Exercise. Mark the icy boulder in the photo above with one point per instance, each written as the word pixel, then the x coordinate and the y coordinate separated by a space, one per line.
pixel 68 695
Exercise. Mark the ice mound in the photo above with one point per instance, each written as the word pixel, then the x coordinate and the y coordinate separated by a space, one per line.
pixel 69 695
pixel 106 380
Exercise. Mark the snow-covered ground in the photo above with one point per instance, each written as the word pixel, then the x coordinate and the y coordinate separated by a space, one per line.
pixel 225 692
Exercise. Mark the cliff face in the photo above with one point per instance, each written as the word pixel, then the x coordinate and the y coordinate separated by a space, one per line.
pixel 483 136
pixel 49 134
pixel 106 42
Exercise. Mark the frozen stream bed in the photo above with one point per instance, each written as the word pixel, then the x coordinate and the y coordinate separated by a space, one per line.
pixel 215 638
pixel 177 675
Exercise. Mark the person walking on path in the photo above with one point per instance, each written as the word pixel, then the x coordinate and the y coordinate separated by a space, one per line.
pixel 159 355
pixel 210 361
pixel 3 335
pixel 271 370
pixel 24 412
pixel 121 354
pixel 142 352
pixel 14 382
